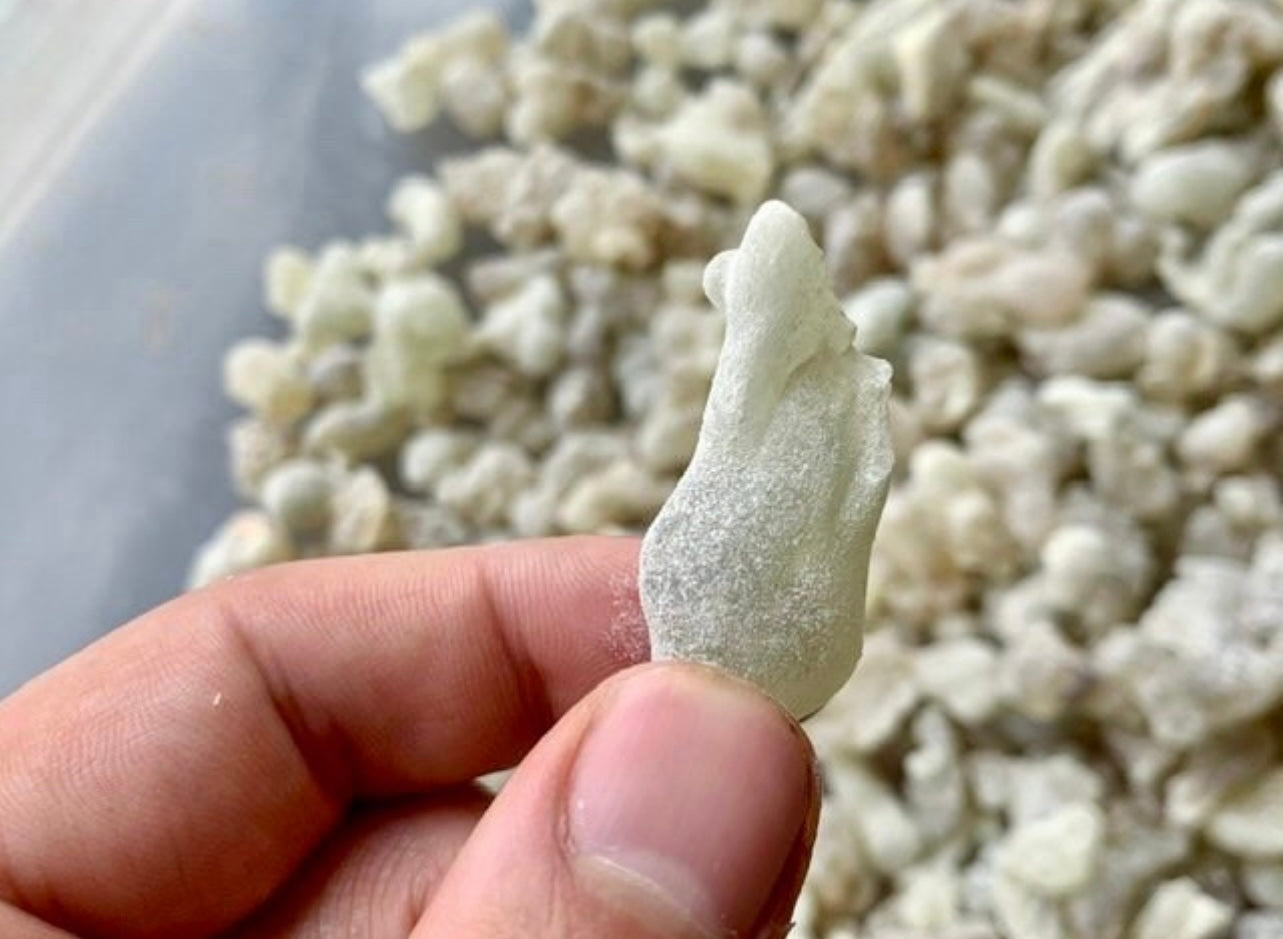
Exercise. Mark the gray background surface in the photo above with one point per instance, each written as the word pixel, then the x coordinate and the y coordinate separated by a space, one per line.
pixel 121 288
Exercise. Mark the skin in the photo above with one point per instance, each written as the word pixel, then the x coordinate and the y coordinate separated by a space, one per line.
pixel 292 752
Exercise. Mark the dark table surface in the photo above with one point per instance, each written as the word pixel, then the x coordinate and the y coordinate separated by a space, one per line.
pixel 124 283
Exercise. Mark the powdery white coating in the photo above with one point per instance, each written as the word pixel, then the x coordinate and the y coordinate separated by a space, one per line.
pixel 758 561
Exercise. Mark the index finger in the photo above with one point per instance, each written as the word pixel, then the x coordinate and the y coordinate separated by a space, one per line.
pixel 186 763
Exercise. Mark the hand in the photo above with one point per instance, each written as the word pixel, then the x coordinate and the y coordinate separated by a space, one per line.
pixel 292 753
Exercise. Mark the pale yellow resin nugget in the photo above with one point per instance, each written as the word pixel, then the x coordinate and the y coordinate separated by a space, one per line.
pixel 758 561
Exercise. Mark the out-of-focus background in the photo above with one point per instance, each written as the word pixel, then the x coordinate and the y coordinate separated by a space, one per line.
pixel 151 152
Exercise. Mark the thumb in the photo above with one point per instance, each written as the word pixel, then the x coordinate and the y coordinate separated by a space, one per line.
pixel 674 802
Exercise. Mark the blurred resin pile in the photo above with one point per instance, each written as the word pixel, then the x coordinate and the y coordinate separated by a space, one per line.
pixel 1061 221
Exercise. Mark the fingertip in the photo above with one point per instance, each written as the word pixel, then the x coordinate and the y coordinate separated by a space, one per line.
pixel 674 801
pixel 701 789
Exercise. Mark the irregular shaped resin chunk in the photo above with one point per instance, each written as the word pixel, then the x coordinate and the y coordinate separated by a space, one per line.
pixel 757 563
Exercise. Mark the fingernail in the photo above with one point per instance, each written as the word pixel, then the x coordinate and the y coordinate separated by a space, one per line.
pixel 688 795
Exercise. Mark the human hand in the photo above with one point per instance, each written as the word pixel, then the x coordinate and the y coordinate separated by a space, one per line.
pixel 291 753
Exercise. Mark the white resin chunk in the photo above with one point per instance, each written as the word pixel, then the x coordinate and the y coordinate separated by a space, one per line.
pixel 758 561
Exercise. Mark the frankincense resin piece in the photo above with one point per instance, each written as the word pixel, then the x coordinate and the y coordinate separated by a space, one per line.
pixel 757 563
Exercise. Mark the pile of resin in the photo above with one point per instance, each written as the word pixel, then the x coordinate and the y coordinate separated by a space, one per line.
pixel 1061 221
